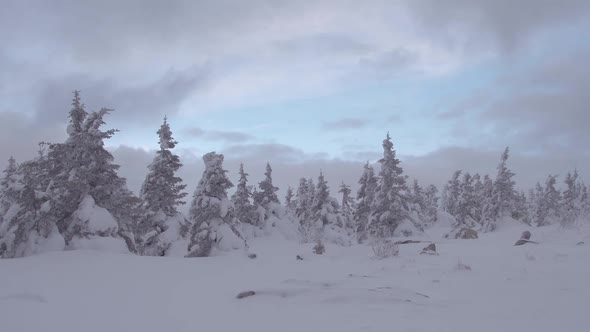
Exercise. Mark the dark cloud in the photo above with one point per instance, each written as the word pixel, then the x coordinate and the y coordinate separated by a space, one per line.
pixel 142 103
pixel 19 136
pixel 506 24
pixel 542 110
pixel 345 123
pixel 148 58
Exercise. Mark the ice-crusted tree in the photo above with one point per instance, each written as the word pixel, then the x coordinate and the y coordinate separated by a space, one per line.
pixel 303 202
pixel 241 199
pixel 364 196
pixel 311 187
pixel 347 205
pixel 477 191
pixel 452 193
pixel 418 205
pixel 485 198
pixel 585 202
pixel 536 205
pixel 26 227
pixel 466 204
pixel 389 208
pixel 431 200
pixel 8 189
pixel 162 192
pixel 289 203
pixel 313 228
pixel 549 209
pixel 416 197
pixel 77 115
pixel 503 195
pixel 211 213
pixel 327 221
pixel 268 192
pixel 266 197
pixel 571 199
pixel 83 175
pixel 520 208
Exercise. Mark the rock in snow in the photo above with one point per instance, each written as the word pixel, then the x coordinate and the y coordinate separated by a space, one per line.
pixel 466 233
pixel 429 250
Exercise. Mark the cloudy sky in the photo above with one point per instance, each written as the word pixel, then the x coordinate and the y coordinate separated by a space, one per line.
pixel 307 85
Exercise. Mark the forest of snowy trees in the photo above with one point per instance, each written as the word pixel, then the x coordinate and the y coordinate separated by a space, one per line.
pixel 70 196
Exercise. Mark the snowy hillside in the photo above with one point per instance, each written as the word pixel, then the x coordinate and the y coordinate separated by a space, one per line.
pixel 472 285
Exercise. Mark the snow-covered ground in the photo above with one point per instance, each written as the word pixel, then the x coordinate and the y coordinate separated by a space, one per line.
pixel 544 287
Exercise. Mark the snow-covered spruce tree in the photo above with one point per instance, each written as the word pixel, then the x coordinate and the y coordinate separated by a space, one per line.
pixel 537 205
pixel 571 200
pixel 244 210
pixel 347 206
pixel 319 211
pixel 466 204
pixel 585 202
pixel 503 195
pixel 211 213
pixel 327 222
pixel 266 197
pixel 162 193
pixel 485 199
pixel 303 207
pixel 312 191
pixel 8 189
pixel 389 208
pixel 416 198
pixel 85 184
pixel 452 192
pixel 289 203
pixel 431 198
pixel 520 208
pixel 364 196
pixel 26 229
pixel 477 191
pixel 549 209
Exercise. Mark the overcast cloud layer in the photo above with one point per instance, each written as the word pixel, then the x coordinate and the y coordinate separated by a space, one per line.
pixel 307 85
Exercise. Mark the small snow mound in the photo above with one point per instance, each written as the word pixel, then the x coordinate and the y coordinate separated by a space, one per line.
pixel 228 240
pixel 54 242
pixel 104 244
pixel 178 249
pixel 407 228
pixel 95 219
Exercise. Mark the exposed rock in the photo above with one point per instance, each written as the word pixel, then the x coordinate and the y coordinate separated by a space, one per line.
pixel 526 235
pixel 319 248
pixel 580 243
pixel 466 233
pixel 429 250
pixel 252 256
pixel 407 242
pixel 246 294
pixel 299 258
pixel 462 267
pixel 523 241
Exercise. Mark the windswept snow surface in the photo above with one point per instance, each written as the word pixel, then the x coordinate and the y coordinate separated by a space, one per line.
pixel 542 287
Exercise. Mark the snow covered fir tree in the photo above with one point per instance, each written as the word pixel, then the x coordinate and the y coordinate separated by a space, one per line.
pixel 211 213
pixel 162 193
pixel 70 196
